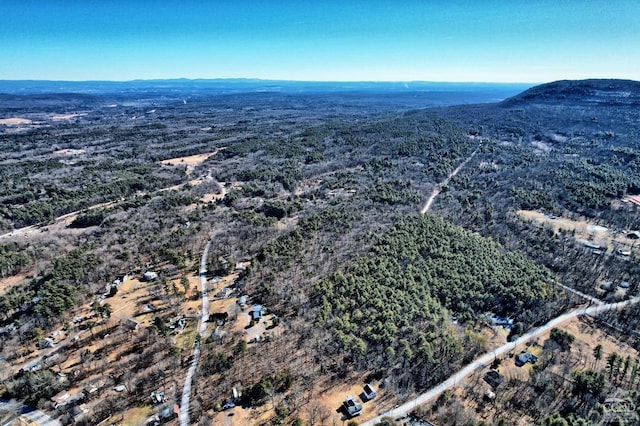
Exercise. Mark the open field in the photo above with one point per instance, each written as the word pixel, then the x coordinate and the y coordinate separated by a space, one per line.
pixel 7 283
pixel 190 161
pixel 15 121
pixel 583 230
pixel 63 117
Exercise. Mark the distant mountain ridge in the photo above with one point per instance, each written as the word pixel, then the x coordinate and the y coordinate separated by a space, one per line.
pixel 580 92
pixel 239 85
pixel 402 95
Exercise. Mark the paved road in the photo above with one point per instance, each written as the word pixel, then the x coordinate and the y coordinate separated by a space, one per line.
pixel 487 358
pixel 36 416
pixel 202 327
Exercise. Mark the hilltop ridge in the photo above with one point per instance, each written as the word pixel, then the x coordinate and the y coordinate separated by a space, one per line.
pixel 580 92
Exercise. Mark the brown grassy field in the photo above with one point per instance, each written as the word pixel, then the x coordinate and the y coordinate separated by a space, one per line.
pixel 190 161
pixel 584 229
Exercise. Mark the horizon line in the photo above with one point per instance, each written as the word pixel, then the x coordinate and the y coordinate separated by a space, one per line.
pixel 267 80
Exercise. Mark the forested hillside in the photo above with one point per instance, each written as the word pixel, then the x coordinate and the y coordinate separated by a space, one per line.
pixel 568 149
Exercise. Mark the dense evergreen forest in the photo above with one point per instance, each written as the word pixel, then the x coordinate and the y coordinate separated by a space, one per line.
pixel 390 305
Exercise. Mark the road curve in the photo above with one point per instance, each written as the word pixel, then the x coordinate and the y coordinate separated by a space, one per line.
pixel 202 327
pixel 487 358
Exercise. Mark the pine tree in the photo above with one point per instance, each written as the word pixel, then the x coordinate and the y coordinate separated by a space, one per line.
pixel 613 363
pixel 597 354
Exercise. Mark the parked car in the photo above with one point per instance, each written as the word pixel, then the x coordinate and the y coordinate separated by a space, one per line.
pixel 369 392
pixel 352 406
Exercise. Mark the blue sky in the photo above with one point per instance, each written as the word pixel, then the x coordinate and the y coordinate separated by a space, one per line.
pixel 466 40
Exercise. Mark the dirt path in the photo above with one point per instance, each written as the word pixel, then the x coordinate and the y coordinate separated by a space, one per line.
pixel 439 187
pixel 591 299
pixel 442 184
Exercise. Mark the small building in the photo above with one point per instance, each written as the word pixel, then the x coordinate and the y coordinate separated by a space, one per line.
pixel 242 266
pixel 493 378
pixel 623 253
pixel 224 293
pixel 242 301
pixel 606 285
pixel 633 235
pixel 49 360
pixel 7 329
pixel 157 397
pixel 369 393
pixel 115 283
pixel 46 343
pixel 228 404
pixel 352 407
pixel 60 399
pixel 153 421
pixel 166 413
pixel 256 312
pixel 95 387
pixel 181 324
pixel 624 284
pixel 498 321
pixel 131 324
pixel 525 357
pixel 590 245
pixel 149 276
